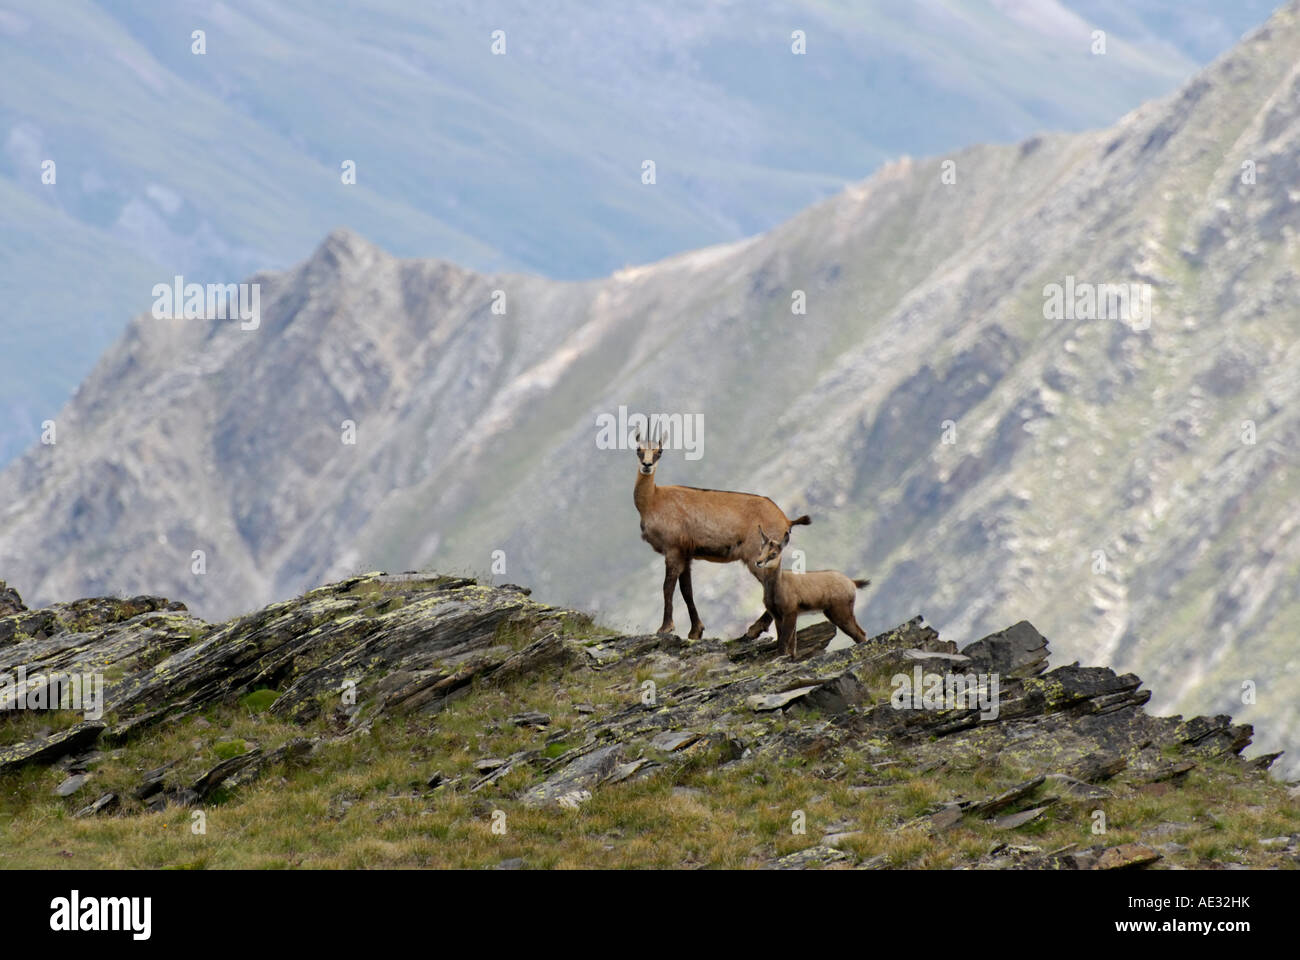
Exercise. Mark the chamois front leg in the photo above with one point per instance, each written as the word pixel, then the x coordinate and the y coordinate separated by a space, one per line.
pixel 758 626
pixel 672 573
pixel 697 628
pixel 786 638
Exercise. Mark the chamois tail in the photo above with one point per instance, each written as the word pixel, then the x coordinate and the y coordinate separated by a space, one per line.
pixel 805 520
pixel 860 583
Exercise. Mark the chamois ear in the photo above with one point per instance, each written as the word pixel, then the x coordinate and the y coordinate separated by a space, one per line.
pixel 763 534
pixel 786 539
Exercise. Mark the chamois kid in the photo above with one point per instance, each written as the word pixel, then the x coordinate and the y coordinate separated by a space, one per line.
pixel 787 594
pixel 689 523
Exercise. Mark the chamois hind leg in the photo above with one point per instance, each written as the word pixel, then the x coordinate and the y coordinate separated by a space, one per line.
pixel 697 628
pixel 842 617
pixel 672 571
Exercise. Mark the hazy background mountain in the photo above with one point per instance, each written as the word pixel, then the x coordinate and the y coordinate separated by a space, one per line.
pixel 1102 481
pixel 217 165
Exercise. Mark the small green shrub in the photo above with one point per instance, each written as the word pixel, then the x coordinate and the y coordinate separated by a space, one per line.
pixel 259 701
pixel 230 748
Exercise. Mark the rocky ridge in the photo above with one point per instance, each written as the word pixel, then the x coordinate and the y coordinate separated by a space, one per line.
pixel 355 654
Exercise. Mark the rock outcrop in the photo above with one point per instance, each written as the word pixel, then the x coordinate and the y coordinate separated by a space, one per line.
pixel 10 602
pixel 377 647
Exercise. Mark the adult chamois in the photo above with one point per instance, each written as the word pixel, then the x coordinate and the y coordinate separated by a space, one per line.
pixel 787 594
pixel 689 523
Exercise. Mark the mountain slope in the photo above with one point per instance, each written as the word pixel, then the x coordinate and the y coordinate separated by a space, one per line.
pixel 218 164
pixel 1099 480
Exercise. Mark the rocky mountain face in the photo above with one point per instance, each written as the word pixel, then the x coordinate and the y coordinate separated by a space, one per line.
pixel 898 361
pixel 361 660
pixel 522 155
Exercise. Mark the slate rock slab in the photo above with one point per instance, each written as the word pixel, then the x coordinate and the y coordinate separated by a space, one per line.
pixel 581 774
pixel 71 785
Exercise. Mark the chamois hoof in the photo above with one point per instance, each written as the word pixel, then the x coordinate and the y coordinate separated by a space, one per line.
pixel 696 633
